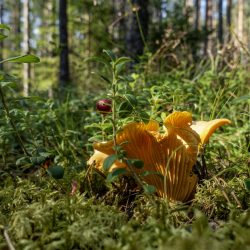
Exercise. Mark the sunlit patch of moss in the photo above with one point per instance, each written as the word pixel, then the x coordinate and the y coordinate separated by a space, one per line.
pixel 70 221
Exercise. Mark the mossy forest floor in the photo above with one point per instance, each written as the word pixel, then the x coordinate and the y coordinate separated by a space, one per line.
pixel 77 208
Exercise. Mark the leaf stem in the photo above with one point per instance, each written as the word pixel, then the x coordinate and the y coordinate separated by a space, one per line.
pixel 114 90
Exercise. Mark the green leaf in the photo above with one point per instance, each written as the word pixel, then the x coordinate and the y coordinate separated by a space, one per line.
pixel 149 189
pixel 105 78
pixel 122 60
pixel 116 173
pixel 109 161
pixel 4 26
pixel 120 64
pixel 110 54
pixel 7 78
pixel 8 84
pixel 2 36
pixel 23 59
pixel 23 161
pixel 247 184
pixel 119 68
pixel 127 78
pixel 137 163
pixel 146 173
pixel 37 160
pixel 131 99
pixel 243 98
pixel 125 109
pixel 45 154
pixel 57 172
pixel 144 116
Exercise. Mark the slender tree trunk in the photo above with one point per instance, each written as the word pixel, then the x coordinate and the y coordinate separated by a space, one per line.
pixel 64 76
pixel 195 47
pixel 220 22
pixel 137 28
pixel 197 15
pixel 241 20
pixel 229 19
pixel 208 26
pixel 26 47
pixel 1 42
pixel 17 8
pixel 115 27
pixel 248 27
pixel 240 34
pixel 89 38
pixel 49 22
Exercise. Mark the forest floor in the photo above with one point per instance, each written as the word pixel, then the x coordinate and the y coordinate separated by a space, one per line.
pixel 50 198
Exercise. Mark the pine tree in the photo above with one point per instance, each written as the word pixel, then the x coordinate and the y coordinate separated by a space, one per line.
pixel 63 36
pixel 26 47
pixel 220 22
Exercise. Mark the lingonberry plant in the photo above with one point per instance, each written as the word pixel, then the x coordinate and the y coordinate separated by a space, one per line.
pixel 7 82
pixel 120 104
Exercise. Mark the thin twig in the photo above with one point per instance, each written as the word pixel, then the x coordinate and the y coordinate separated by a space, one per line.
pixel 7 238
pixel 222 189
pixel 236 199
pixel 114 90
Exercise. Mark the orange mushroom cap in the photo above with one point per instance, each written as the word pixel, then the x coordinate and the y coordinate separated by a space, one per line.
pixel 171 154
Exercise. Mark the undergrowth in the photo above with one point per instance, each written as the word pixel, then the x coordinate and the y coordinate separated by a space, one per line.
pixel 51 199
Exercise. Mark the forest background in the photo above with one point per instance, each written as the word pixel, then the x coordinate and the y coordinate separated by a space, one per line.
pixel 165 34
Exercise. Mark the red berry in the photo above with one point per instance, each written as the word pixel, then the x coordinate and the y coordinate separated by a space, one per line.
pixel 104 106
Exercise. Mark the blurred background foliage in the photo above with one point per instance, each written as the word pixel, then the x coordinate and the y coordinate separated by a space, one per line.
pixel 163 34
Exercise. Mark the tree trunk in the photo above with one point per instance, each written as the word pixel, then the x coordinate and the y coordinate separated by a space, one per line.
pixel 241 20
pixel 229 19
pixel 26 47
pixel 248 27
pixel 197 15
pixel 64 53
pixel 17 8
pixel 208 26
pixel 49 21
pixel 1 42
pixel 116 15
pixel 195 47
pixel 137 28
pixel 89 38
pixel 220 22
